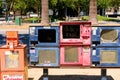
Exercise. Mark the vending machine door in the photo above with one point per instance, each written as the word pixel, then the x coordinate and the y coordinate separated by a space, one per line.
pixel 44 36
pixel 77 33
pixel 47 57
pixel 12 60
pixel 107 57
pixel 106 35
pixel 75 55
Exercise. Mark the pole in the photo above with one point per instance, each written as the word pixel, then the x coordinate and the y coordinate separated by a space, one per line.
pixel 6 18
pixel 103 74
pixel 4 6
pixel 45 74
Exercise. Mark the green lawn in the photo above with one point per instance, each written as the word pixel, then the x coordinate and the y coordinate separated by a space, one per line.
pixel 31 20
pixel 102 18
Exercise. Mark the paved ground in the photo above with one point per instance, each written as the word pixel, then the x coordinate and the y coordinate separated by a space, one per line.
pixel 72 73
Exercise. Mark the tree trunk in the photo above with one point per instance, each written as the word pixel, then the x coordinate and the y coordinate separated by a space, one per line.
pixel 79 16
pixel 66 17
pixel 93 12
pixel 45 13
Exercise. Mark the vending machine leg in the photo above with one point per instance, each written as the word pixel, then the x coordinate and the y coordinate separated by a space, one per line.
pixel 45 74
pixel 103 74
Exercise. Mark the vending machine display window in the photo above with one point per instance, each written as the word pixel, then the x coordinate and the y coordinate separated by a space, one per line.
pixel 108 56
pixel 71 31
pixel 109 36
pixel 106 35
pixel 11 59
pixel 47 56
pixel 47 36
pixel 70 55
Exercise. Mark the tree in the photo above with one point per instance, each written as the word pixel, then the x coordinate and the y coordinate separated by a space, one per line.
pixel 45 13
pixel 102 6
pixel 53 5
pixel 103 3
pixel 80 5
pixel 36 5
pixel 93 12
pixel 64 4
pixel 115 4
pixel 75 5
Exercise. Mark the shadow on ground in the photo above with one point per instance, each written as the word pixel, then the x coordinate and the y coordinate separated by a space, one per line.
pixel 72 77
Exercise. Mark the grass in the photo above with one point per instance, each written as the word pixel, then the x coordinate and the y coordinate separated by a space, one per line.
pixel 102 18
pixel 31 20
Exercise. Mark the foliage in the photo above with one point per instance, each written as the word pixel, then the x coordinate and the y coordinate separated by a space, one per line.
pixel 56 5
pixel 101 18
pixel 83 4
pixel 19 5
pixel 115 3
pixel 103 4
pixel 53 3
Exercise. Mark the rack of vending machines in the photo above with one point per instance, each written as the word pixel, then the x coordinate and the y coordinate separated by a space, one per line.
pixel 69 44
pixel 74 44
pixel 55 46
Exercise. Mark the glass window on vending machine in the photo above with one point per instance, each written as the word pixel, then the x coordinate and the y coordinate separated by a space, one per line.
pixel 47 56
pixel 71 54
pixel 71 31
pixel 47 35
pixel 108 56
pixel 11 59
pixel 106 36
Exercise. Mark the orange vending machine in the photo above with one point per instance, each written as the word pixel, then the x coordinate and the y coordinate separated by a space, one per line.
pixel 13 59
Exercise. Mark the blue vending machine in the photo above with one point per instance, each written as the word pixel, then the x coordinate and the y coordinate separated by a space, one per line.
pixel 44 46
pixel 106 46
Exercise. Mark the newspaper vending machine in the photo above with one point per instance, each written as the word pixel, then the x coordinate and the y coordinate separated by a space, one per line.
pixel 13 61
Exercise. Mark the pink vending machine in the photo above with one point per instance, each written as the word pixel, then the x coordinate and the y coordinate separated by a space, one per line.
pixel 75 43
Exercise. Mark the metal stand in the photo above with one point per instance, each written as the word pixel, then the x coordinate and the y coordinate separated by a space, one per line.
pixel 45 74
pixel 103 74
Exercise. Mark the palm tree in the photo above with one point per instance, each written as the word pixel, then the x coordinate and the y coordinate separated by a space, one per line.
pixel 45 13
pixel 93 12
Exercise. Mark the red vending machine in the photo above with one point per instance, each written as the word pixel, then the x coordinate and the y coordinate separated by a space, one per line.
pixel 75 43
pixel 13 59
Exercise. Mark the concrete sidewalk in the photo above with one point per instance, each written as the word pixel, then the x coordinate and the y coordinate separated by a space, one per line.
pixel 73 74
